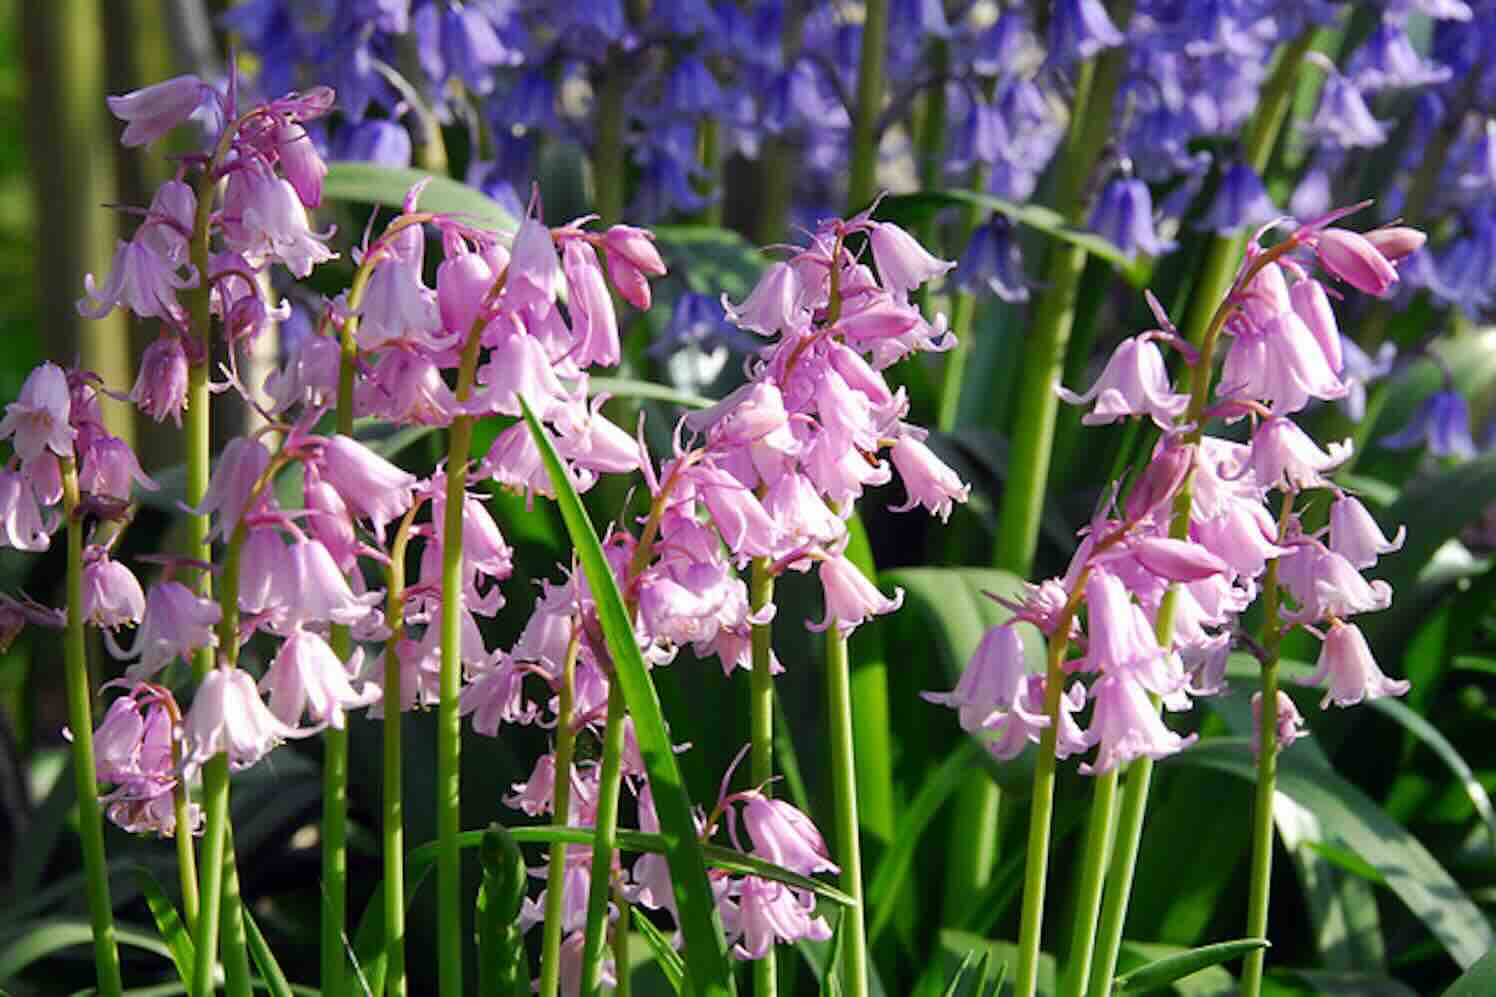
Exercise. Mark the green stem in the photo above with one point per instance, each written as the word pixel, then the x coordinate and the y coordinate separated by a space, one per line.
pixel 862 181
pixel 605 841
pixel 235 950
pixel 393 825
pixel 80 719
pixel 1129 837
pixel 844 789
pixel 1267 772
pixel 1041 814
pixel 778 163
pixel 448 724
pixel 710 144
pixel 625 984
pixel 608 152
pixel 1032 433
pixel 1088 900
pixel 216 807
pixel 186 852
pixel 761 726
pixel 566 739
pixel 335 844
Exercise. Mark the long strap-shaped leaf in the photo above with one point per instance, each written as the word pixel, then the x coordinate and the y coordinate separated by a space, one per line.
pixel 706 951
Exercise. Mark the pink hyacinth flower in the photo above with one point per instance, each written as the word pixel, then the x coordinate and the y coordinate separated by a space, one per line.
pixel 313 590
pixel 177 622
pixel 38 418
pixel 1289 728
pixel 632 259
pixel 1126 725
pixel 593 321
pixel 161 386
pixel 994 679
pixel 929 481
pixel 1355 259
pixel 22 523
pixel 1135 382
pixel 1284 456
pixel 307 677
pixel 371 487
pixel 300 161
pixel 229 491
pixel 1346 660
pixel 850 598
pixel 112 597
pixel 774 305
pixel 110 469
pixel 785 836
pixel 1355 535
pixel 152 111
pixel 770 912
pixel 228 717
pixel 902 262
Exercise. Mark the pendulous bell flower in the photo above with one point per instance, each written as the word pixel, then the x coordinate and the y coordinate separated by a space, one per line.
pixel 1345 659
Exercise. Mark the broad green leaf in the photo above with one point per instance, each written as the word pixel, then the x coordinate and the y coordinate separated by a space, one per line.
pixel 1176 967
pixel 1412 873
pixel 1281 982
pixel 265 961
pixel 706 950
pixel 669 960
pixel 1430 735
pixel 168 923
pixel 366 183
pixel 503 969
pixel 1344 921
pixel 44 937
pixel 1345 859
pixel 1477 981
pixel 915 207
pixel 710 259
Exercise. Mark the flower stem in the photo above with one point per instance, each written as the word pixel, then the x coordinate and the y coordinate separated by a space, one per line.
pixel 235 953
pixel 216 805
pixel 864 166
pixel 394 804
pixel 605 841
pixel 1124 863
pixel 761 726
pixel 186 852
pixel 1093 870
pixel 566 739
pixel 1032 432
pixel 1041 815
pixel 80 719
pixel 448 724
pixel 844 789
pixel 1267 772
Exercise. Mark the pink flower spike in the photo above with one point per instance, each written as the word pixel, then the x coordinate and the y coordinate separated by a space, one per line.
pixel 228 716
pixel 850 598
pixel 902 262
pixel 1346 660
pixel 38 418
pixel 1355 260
pixel 1355 535
pixel 153 111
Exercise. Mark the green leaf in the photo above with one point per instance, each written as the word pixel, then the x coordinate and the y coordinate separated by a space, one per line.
pixel 706 950
pixel 624 387
pixel 259 951
pixel 710 259
pixel 1345 858
pixel 1165 971
pixel 1430 735
pixel 666 957
pixel 1477 981
pixel 168 923
pixel 914 207
pixel 365 183
pixel 895 862
pixel 43 937
pixel 1412 873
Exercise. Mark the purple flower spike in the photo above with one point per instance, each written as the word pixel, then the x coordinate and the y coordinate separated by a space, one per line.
pixel 1078 29
pixel 1124 215
pixel 992 263
pixel 1343 116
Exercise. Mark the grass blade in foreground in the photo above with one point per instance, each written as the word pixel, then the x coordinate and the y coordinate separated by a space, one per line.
pixel 1176 967
pixel 168 923
pixel 705 950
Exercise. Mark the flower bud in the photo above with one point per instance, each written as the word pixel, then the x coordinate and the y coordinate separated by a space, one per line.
pixel 1355 260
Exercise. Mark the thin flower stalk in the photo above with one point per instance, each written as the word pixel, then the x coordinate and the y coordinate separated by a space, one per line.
pixel 80 720
pixel 566 739
pixel 844 792
pixel 761 727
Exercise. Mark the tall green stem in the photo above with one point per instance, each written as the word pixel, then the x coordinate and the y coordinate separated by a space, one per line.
pixel 864 168
pixel 181 803
pixel 235 952
pixel 605 842
pixel 761 727
pixel 844 790
pixel 448 724
pixel 210 907
pixel 778 161
pixel 1092 876
pixel 1033 428
pixel 1041 815
pixel 566 739
pixel 608 151
pixel 80 719
pixel 393 825
pixel 1267 773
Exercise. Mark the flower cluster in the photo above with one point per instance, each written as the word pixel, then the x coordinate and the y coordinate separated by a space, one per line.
pixel 1163 576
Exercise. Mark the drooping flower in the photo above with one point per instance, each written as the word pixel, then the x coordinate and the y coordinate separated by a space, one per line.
pixel 38 419
pixel 1345 659
pixel 228 717
pixel 1135 382
pixel 153 111
pixel 177 622
pixel 307 677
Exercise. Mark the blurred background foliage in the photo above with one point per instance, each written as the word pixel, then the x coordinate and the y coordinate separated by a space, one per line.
pixel 1388 846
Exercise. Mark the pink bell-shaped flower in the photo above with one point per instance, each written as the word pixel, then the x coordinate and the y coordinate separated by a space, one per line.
pixel 307 677
pixel 850 598
pixel 1126 725
pixel 1355 535
pixel 1346 660
pixel 161 386
pixel 228 717
pixel 38 419
pixel 1135 382
pixel 153 111
pixel 929 481
pixel 773 306
pixel 784 835
pixel 112 597
pixel 632 258
pixel 371 487
pixel 902 262
pixel 176 622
